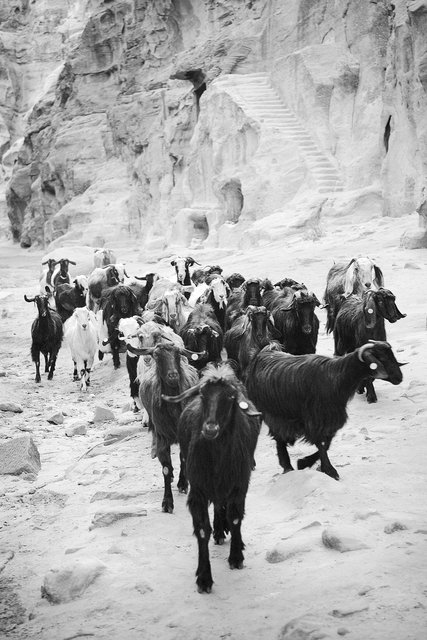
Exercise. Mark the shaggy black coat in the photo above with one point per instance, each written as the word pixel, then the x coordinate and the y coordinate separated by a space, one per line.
pixel 306 396
pixel 117 302
pixel 362 319
pixel 170 374
pixel 238 302
pixel 202 333
pixel 218 432
pixel 46 334
pixel 68 298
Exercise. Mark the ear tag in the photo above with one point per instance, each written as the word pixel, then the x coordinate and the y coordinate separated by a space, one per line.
pixel 194 356
pixel 243 405
pixel 373 366
pixel 370 311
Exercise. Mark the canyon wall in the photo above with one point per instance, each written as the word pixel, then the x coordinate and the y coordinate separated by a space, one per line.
pixel 196 123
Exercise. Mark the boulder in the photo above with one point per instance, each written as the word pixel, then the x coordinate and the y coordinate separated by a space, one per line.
pixel 11 406
pixel 70 580
pixel 19 455
pixel 105 517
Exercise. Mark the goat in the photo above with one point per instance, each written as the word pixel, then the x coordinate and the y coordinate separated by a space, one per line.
pixel 46 334
pixel 362 319
pixel 248 294
pixel 117 302
pixel 68 298
pixel 217 432
pixel 235 281
pixel 100 279
pixel 182 268
pixel 306 396
pixel 103 257
pixel 286 283
pixel 173 307
pixel 170 375
pixel 296 322
pixel 347 278
pixel 249 334
pixel 61 275
pixel 141 291
pixel 216 295
pixel 81 336
pixel 46 278
pixel 202 333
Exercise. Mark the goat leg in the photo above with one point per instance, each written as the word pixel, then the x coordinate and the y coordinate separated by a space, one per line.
pixel 46 363
pixel 220 525
pixel 283 454
pixel 182 480
pixel 371 396
pixel 325 463
pixel 198 506
pixel 52 364
pixel 75 373
pixel 164 456
pixel 235 513
pixel 308 461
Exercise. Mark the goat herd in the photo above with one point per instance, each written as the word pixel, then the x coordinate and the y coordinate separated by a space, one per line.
pixel 209 356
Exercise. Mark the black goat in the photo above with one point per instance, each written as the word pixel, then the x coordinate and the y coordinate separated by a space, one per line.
pixel 68 298
pixel 100 279
pixel 286 283
pixel 217 432
pixel 296 322
pixel 46 334
pixel 347 278
pixel 143 291
pixel 306 396
pixel 249 334
pixel 235 281
pixel 62 276
pixel 117 302
pixel 238 302
pixel 170 375
pixel 362 319
pixel 202 333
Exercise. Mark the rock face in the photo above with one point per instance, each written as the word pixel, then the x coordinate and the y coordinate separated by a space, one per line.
pixel 180 123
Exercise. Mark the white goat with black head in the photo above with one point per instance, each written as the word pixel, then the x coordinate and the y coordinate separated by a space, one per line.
pixel 347 278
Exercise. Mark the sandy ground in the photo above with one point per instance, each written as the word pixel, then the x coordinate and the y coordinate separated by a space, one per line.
pixel 147 589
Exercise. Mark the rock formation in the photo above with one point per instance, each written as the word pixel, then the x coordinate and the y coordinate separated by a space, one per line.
pixel 183 123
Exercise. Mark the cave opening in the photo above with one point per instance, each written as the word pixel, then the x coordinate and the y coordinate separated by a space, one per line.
pixel 200 229
pixel 387 132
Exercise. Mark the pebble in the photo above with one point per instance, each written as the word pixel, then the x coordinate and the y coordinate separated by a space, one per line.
pixel 103 414
pixel 56 418
pixel 11 406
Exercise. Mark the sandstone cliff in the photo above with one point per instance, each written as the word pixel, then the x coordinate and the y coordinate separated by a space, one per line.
pixel 183 123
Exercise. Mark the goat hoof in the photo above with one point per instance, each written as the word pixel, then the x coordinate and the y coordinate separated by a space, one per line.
pixel 203 587
pixel 219 540
pixel 167 508
pixel 236 564
pixel 371 400
pixel 50 376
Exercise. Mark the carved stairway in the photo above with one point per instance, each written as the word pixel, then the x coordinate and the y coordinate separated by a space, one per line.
pixel 254 93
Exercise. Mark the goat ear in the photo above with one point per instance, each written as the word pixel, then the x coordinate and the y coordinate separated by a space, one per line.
pixel 72 262
pixel 245 405
pixel 379 278
pixel 173 263
pixel 350 278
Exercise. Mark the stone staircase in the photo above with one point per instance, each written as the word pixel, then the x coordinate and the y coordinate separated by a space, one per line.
pixel 254 93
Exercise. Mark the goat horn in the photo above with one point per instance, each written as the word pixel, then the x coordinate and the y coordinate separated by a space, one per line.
pixel 124 271
pixel 28 299
pixel 193 355
pixel 146 351
pixel 140 277
pixel 182 396
pixel 72 262
pixel 363 348
pixel 402 364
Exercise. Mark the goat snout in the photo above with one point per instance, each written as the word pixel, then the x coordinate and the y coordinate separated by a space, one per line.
pixel 307 328
pixel 210 430
pixel 172 377
pixel 84 326
pixel 368 285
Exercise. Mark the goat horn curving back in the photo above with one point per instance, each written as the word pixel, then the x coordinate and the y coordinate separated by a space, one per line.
pixel 363 348
pixel 140 277
pixel 145 351
pixel 28 299
pixel 188 393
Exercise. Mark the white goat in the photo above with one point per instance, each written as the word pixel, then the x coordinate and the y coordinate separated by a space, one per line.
pixel 81 335
pixel 103 257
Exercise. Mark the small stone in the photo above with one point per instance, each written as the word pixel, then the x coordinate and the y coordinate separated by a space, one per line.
pixel 56 418
pixel 11 406
pixel 394 526
pixel 108 516
pixel 76 428
pixel 116 495
pixel 119 432
pixel 411 265
pixel 343 612
pixel 342 540
pixel 69 581
pixel 103 414
pixel 342 631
